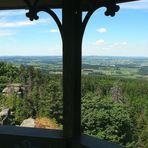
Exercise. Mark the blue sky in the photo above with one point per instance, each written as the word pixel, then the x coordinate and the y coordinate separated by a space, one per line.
pixel 126 34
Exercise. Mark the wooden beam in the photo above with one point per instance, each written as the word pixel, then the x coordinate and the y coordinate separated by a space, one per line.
pixel 87 4
pixel 20 4
pixel 93 142
pixel 53 4
pixel 72 23
pixel 30 137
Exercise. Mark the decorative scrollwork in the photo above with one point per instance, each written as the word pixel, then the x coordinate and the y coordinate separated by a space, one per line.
pixel 32 14
pixel 33 10
pixel 112 8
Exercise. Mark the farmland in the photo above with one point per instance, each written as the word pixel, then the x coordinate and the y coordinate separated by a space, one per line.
pixel 131 67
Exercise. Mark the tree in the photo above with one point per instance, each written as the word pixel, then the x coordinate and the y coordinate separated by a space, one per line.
pixel 22 74
pixel 106 119
pixel 54 95
pixel 116 92
pixel 30 71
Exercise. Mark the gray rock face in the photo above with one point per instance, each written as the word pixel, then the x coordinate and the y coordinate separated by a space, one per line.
pixel 18 89
pixel 28 123
pixel 4 112
pixel 4 115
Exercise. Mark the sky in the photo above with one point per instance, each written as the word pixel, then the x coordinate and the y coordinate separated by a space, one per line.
pixel 126 34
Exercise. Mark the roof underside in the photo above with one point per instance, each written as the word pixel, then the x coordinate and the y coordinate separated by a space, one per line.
pixel 53 4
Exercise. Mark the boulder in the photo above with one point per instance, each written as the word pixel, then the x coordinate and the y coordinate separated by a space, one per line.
pixel 28 123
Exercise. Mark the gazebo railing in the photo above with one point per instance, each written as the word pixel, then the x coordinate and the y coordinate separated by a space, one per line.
pixel 22 137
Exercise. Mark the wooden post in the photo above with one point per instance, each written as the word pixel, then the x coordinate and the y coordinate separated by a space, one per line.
pixel 72 42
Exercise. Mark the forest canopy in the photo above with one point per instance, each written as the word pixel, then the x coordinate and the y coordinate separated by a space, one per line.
pixel 113 108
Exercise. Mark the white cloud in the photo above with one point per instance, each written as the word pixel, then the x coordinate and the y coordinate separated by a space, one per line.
pixel 50 31
pixel 118 44
pixel 101 30
pixel 54 30
pixel 142 4
pixel 4 13
pixel 5 33
pixel 16 24
pixel 99 42
pixel 31 52
pixel 124 43
pixel 5 24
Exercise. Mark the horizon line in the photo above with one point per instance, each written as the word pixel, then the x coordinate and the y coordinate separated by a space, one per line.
pixel 61 56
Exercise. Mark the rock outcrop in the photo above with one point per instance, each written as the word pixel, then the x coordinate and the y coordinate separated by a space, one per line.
pixel 4 115
pixel 18 89
pixel 4 112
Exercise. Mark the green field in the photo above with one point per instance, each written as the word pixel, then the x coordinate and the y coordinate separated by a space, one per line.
pixel 129 67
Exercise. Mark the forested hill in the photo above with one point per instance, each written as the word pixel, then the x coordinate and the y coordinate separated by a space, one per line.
pixel 113 108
